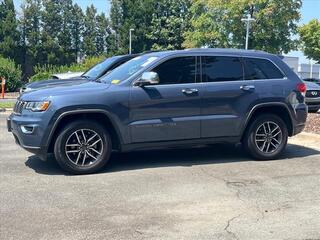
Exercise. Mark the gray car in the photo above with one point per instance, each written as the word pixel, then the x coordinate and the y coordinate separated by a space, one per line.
pixel 91 74
pixel 165 100
pixel 313 96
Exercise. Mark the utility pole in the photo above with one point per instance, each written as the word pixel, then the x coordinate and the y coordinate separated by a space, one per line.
pixel 248 21
pixel 130 40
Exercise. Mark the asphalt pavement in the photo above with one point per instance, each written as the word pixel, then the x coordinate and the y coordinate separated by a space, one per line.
pixel 214 192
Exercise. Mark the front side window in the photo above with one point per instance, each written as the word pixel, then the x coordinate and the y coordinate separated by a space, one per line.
pixel 221 68
pixel 256 68
pixel 177 71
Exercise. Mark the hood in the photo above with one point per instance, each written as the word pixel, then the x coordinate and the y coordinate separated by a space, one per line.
pixel 312 86
pixel 51 82
pixel 71 88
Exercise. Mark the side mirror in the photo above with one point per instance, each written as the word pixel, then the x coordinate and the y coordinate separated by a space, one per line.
pixel 148 78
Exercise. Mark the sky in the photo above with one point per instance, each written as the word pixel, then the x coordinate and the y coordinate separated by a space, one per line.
pixel 310 9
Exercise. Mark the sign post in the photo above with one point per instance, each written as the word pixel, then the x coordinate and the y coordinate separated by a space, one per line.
pixel 3 83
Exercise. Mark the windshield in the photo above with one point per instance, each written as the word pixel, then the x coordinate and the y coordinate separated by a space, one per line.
pixel 97 70
pixel 128 69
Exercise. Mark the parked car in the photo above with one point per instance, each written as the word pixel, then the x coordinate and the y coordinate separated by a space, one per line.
pixel 314 80
pixel 164 100
pixel 66 75
pixel 92 74
pixel 313 97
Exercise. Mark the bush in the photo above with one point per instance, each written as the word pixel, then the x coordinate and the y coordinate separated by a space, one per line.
pixel 11 72
pixel 46 71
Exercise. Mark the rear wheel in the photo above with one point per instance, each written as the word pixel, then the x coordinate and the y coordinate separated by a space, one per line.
pixel 83 147
pixel 266 137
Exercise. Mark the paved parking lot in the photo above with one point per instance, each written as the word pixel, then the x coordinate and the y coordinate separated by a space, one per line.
pixel 202 193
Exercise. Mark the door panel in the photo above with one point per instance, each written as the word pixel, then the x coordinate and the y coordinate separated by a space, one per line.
pixel 224 108
pixel 171 110
pixel 226 96
pixel 164 113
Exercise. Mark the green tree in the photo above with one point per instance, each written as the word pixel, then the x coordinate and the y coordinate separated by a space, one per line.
pixel 103 30
pixel 136 14
pixel 217 23
pixel 90 32
pixel 169 22
pixel 77 27
pixel 310 38
pixel 9 35
pixel 52 22
pixel 30 25
pixel 67 54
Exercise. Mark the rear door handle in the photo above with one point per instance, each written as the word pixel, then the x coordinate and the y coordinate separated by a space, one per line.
pixel 190 90
pixel 249 88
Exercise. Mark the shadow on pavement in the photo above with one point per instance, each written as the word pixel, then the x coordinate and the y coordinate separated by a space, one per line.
pixel 215 154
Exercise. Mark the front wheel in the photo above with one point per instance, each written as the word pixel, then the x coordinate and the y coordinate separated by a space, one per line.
pixel 266 137
pixel 83 147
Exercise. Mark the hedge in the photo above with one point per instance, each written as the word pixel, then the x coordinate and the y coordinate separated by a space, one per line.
pixel 11 72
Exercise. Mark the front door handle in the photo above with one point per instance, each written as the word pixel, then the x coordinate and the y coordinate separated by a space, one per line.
pixel 249 88
pixel 190 90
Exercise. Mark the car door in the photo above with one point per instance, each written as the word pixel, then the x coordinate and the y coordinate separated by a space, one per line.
pixel 169 110
pixel 227 97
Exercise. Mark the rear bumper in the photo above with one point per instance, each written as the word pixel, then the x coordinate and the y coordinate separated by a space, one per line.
pixel 299 118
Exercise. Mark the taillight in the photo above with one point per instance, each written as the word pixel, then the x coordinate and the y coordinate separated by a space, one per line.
pixel 301 87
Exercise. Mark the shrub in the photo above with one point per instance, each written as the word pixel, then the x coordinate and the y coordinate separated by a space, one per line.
pixel 11 72
pixel 46 71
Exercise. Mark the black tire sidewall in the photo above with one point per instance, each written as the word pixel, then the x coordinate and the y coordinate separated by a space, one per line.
pixel 250 137
pixel 63 160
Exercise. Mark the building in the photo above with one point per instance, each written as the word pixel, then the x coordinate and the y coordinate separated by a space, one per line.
pixel 303 70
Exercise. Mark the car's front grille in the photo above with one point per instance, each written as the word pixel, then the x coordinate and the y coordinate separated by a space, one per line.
pixel 313 93
pixel 19 106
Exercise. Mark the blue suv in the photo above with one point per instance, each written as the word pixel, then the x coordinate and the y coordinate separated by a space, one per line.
pixel 164 100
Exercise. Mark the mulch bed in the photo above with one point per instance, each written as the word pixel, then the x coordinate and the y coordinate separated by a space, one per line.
pixel 313 123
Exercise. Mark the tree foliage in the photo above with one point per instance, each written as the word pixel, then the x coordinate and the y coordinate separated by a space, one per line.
pixel 9 35
pixel 11 72
pixel 310 38
pixel 127 14
pixel 217 23
pixel 169 22
pixel 59 32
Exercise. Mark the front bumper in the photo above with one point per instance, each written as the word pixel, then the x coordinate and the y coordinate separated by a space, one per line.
pixel 28 140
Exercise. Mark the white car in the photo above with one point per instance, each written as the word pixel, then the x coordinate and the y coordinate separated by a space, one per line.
pixel 66 75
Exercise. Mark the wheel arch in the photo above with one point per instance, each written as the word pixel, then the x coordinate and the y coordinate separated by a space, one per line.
pixel 279 109
pixel 99 116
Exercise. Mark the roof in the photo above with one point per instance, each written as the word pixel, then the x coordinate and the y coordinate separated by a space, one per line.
pixel 211 50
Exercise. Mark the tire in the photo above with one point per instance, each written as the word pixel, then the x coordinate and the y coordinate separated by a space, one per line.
pixel 74 149
pixel 262 146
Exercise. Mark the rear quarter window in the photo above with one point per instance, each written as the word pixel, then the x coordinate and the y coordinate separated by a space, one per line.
pixel 256 68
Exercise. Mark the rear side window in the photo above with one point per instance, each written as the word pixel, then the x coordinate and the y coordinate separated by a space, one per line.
pixel 218 69
pixel 177 71
pixel 256 68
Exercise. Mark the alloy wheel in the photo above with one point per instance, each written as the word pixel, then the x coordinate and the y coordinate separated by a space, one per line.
pixel 84 147
pixel 268 137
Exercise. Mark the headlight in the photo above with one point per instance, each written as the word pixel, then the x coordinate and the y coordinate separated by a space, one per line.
pixel 37 106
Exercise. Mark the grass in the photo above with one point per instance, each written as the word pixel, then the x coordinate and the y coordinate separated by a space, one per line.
pixel 7 104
